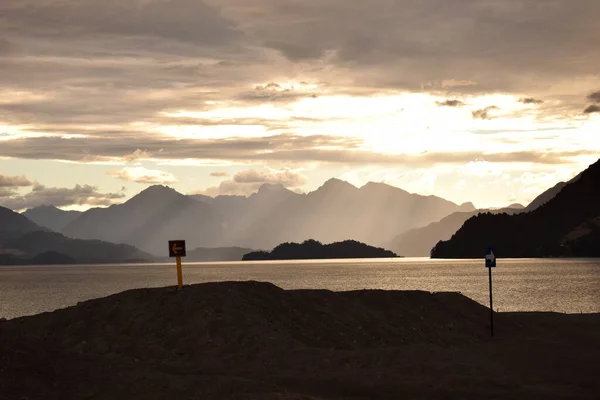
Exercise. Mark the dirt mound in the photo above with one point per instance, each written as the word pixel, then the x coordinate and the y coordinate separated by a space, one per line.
pixel 255 319
pixel 255 340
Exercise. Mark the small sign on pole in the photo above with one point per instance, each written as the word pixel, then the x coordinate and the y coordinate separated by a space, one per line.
pixel 490 262
pixel 177 250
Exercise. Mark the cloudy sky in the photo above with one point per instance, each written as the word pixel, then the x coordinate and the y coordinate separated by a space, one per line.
pixel 489 101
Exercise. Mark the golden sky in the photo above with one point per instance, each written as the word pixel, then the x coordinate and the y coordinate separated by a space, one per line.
pixel 488 101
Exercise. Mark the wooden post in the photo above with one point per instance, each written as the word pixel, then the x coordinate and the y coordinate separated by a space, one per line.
pixel 179 274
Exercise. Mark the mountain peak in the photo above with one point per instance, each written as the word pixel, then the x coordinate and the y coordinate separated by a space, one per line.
pixel 272 187
pixel 381 186
pixel 467 207
pixel 337 183
pixel 156 193
pixel 158 189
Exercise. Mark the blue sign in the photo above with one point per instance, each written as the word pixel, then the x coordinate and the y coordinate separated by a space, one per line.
pixel 490 258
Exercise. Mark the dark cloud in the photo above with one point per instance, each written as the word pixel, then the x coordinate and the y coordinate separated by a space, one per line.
pixel 484 113
pixel 219 174
pixel 592 109
pixel 530 100
pixel 102 148
pixel 498 44
pixel 14 181
pixel 99 68
pixel 183 20
pixel 59 197
pixel 285 147
pixel 595 97
pixel 450 103
pixel 7 48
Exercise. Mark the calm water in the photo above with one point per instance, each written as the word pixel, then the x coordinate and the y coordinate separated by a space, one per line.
pixel 571 286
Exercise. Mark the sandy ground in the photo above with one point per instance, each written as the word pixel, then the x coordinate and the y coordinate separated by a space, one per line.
pixel 251 340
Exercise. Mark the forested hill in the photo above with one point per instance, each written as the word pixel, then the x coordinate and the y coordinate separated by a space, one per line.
pixel 566 226
pixel 314 250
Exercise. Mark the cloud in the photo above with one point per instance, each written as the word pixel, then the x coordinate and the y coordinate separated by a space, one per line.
pixel 280 148
pixel 143 175
pixel 592 109
pixel 182 20
pixel 277 92
pixel 14 181
pixel 113 147
pixel 484 113
pixel 530 100
pixel 285 177
pixel 219 174
pixel 59 197
pixel 451 83
pixel 595 97
pixel 137 155
pixel 450 103
pixel 111 72
pixel 7 192
pixel 249 181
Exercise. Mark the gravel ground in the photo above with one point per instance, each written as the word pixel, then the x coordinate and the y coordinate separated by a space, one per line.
pixel 252 340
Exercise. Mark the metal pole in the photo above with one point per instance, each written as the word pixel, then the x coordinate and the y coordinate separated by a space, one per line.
pixel 491 304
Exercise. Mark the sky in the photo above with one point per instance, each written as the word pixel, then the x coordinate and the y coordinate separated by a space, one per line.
pixel 488 101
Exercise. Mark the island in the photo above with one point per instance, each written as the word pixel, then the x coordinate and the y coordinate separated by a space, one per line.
pixel 314 250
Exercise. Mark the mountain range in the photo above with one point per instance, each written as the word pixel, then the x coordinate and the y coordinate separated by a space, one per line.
pixel 24 242
pixel 51 217
pixel 566 225
pixel 418 242
pixel 223 228
pixel 336 211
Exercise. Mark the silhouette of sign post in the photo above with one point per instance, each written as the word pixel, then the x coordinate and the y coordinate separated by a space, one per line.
pixel 177 249
pixel 490 262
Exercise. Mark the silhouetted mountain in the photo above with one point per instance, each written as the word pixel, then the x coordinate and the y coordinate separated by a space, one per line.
pixel 217 254
pixel 567 225
pixel 203 198
pixel 51 217
pixel 240 212
pixel 32 246
pixel 338 210
pixel 418 242
pixel 13 225
pixel 335 211
pixel 314 250
pixel 150 219
pixel 52 258
pixel 546 196
pixel 466 207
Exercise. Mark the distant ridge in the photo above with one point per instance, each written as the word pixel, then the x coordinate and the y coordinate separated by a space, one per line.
pixel 13 225
pixel 418 242
pixel 149 219
pixel 335 211
pixel 51 217
pixel 338 210
pixel 568 225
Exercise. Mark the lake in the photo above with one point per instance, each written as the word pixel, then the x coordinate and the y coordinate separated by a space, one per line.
pixel 561 285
